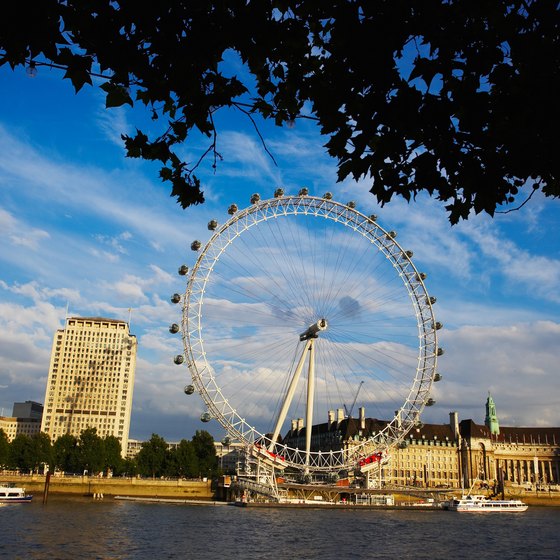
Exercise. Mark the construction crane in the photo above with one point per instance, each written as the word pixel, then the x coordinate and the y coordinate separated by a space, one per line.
pixel 349 412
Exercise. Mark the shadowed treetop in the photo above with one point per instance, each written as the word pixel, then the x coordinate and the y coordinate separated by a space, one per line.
pixel 458 98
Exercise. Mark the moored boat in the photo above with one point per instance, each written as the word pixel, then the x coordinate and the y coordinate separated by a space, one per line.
pixel 14 495
pixel 479 503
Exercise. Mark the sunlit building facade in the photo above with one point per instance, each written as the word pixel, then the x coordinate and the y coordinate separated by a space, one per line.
pixel 25 420
pixel 91 379
pixel 452 455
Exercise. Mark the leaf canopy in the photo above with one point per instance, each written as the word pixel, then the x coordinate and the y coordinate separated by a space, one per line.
pixel 457 98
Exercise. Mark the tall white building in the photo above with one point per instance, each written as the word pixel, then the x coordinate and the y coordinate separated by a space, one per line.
pixel 91 379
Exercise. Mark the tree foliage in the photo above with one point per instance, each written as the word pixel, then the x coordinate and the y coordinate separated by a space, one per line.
pixel 4 449
pixel 457 98
pixel 153 456
pixel 91 453
pixel 66 454
pixel 183 461
pixel 205 451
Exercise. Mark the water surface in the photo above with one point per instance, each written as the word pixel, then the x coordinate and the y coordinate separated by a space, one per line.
pixel 75 528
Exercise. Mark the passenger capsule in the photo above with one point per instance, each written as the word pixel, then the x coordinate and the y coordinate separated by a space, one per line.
pixel 440 351
pixel 351 204
pixel 189 389
pixel 179 359
pixel 174 328
pixel 196 245
pixel 232 209
pixel 430 402
pixel 408 254
pixel 175 298
pixel 373 217
pixel 421 276
pixel 205 417
pixel 304 191
pixel 437 377
pixel 183 270
pixel 437 326
pixel 278 193
pixel 327 196
pixel 255 198
pixel 212 225
pixel 391 235
pixel 431 300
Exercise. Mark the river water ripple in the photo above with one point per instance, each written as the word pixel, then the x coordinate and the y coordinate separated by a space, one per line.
pixel 76 528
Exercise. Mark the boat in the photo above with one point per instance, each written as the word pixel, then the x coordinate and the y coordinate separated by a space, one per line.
pixel 14 495
pixel 479 503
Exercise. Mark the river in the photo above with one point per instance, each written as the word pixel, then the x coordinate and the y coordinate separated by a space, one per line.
pixel 82 528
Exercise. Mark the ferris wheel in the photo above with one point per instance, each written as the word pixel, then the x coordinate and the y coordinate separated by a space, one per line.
pixel 305 323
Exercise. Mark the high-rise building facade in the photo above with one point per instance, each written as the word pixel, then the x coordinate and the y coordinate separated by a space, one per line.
pixel 91 379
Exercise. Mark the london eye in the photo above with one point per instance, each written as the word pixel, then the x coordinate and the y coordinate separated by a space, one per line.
pixel 301 312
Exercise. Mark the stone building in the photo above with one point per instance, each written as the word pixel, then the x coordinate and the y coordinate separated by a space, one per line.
pixel 462 452
pixel 25 420
pixel 447 455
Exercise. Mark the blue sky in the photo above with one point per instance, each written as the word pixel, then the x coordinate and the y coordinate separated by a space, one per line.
pixel 81 225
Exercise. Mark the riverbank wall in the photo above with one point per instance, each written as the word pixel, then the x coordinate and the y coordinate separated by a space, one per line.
pixel 203 490
pixel 92 485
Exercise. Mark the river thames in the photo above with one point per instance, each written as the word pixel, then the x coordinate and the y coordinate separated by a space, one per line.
pixel 76 528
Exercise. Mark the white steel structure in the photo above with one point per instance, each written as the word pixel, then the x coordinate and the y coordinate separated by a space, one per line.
pixel 298 284
pixel 91 379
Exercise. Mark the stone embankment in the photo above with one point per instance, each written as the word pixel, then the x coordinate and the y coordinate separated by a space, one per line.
pixel 117 486
pixel 189 489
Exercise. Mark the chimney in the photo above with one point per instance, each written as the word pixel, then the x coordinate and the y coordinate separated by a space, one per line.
pixel 454 423
pixel 331 417
pixel 362 418
pixel 300 423
pixel 340 415
pixel 294 426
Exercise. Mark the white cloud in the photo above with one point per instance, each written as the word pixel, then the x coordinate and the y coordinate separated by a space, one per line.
pixel 20 234
pixel 106 237
pixel 514 362
pixel 243 150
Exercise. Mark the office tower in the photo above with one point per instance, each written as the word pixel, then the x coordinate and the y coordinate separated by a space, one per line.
pixel 28 409
pixel 91 379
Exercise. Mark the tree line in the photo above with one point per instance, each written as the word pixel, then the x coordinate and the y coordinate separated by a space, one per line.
pixel 94 454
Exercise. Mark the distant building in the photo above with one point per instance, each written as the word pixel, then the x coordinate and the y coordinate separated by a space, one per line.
pixel 25 420
pixel 13 426
pixel 91 379
pixel 447 455
pixel 230 456
pixel 28 409
pixel 133 448
pixel 521 456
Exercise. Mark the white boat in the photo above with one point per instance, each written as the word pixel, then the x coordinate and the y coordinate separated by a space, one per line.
pixel 14 495
pixel 479 503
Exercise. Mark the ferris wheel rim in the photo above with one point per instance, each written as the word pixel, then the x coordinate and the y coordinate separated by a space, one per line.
pixel 201 369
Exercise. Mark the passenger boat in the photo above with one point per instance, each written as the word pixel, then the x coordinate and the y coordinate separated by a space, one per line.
pixel 478 503
pixel 14 495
